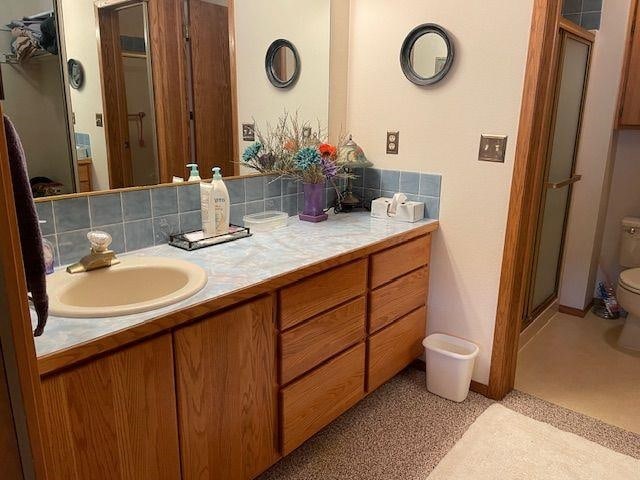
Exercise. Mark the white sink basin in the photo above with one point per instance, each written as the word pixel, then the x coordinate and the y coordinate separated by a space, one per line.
pixel 135 285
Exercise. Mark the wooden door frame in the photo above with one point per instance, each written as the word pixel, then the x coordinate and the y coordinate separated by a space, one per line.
pixel 18 347
pixel 235 129
pixel 526 190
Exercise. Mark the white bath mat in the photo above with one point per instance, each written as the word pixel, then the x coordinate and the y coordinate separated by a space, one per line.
pixel 502 444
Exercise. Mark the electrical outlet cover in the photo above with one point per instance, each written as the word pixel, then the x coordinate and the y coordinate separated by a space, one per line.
pixel 393 143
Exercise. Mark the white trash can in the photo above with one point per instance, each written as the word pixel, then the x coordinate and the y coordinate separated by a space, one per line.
pixel 450 362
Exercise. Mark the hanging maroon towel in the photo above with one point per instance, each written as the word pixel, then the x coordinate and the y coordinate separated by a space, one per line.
pixel 30 236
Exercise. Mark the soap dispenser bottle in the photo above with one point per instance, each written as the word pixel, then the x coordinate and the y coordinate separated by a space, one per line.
pixel 220 203
pixel 194 176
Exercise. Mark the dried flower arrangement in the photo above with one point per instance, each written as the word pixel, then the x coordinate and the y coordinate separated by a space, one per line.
pixel 295 150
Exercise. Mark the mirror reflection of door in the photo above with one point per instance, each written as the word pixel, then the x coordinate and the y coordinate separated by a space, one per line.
pixel 573 69
pixel 128 95
pixel 213 88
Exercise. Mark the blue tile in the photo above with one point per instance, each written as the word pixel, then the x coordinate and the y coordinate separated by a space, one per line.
pixel 369 196
pixel 72 246
pixel 390 180
pixel 254 189
pixel 409 183
pixel 289 186
pixel 430 185
pixel 188 198
pixel 572 6
pixel 117 237
pixel 274 204
pixel 590 21
pixel 136 205
pixel 290 204
pixel 164 201
pixel 387 193
pixel 237 213
pixel 359 180
pixel 272 187
pixel 105 209
pixel 254 207
pixel 591 6
pixel 138 234
pixel 190 221
pixel 236 191
pixel 372 178
pixel 301 202
pixel 573 17
pixel 163 227
pixel 432 207
pixel 45 213
pixel 330 197
pixel 71 214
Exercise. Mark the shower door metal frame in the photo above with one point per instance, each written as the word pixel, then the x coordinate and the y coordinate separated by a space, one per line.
pixel 566 32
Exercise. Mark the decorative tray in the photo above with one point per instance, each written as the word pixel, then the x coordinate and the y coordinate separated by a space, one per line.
pixel 196 240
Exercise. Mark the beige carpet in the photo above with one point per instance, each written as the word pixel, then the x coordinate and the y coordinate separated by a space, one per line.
pixel 503 444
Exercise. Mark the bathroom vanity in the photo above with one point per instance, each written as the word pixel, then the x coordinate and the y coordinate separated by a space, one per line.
pixel 293 328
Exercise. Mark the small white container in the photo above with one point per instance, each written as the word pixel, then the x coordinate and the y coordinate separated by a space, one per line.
pixel 450 362
pixel 265 221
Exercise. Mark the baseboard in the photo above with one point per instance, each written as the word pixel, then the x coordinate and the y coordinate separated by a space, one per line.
pixel 576 312
pixel 476 387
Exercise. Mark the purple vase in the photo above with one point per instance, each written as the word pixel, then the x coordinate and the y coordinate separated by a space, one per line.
pixel 314 199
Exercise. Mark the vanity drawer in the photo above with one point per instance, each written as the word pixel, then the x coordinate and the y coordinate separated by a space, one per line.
pixel 312 402
pixel 395 347
pixel 396 299
pixel 321 292
pixel 308 345
pixel 396 261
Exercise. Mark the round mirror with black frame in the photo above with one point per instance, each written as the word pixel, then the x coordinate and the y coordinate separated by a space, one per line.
pixel 427 54
pixel 282 64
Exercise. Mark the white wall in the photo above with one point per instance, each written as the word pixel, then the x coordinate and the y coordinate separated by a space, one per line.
pixel 308 28
pixel 79 21
pixel 440 130
pixel 583 235
pixel 35 102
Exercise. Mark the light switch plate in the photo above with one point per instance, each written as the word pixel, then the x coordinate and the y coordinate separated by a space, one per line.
pixel 393 143
pixel 99 121
pixel 306 133
pixel 493 148
pixel 249 132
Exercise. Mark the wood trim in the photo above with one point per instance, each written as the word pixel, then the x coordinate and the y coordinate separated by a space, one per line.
pixel 15 326
pixel 480 388
pixel 577 30
pixel 234 87
pixel 576 312
pixel 526 190
pixel 62 359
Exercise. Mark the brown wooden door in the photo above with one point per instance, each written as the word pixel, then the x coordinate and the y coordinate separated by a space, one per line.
pixel 227 393
pixel 212 87
pixel 630 102
pixel 115 418
pixel 9 453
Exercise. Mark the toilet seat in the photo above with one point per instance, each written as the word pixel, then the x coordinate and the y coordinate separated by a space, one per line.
pixel 630 280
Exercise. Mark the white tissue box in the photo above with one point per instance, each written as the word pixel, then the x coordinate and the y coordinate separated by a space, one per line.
pixel 404 212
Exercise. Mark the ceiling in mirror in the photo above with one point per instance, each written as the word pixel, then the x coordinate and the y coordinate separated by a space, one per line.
pixel 164 85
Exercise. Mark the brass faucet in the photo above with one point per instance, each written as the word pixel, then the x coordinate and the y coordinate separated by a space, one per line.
pixel 100 256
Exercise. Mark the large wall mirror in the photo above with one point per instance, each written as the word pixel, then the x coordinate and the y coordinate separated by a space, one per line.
pixel 164 84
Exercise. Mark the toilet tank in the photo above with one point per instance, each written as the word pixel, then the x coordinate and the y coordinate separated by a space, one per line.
pixel 630 242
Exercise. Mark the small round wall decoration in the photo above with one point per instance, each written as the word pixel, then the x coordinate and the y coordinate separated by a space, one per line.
pixel 76 74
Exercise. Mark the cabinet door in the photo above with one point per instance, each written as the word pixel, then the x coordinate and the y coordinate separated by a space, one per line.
pixel 630 105
pixel 227 393
pixel 115 417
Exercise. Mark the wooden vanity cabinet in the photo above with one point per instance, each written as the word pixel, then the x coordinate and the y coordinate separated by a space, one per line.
pixel 227 393
pixel 114 418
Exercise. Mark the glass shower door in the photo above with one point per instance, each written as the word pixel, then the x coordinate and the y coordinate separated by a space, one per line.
pixel 571 88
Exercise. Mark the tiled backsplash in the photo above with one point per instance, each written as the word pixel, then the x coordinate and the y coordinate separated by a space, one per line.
pixel 142 218
pixel 586 13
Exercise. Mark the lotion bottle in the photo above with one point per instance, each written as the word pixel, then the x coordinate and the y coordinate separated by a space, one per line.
pixel 208 218
pixel 194 175
pixel 219 204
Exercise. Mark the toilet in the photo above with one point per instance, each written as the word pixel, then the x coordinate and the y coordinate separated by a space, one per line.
pixel 628 290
